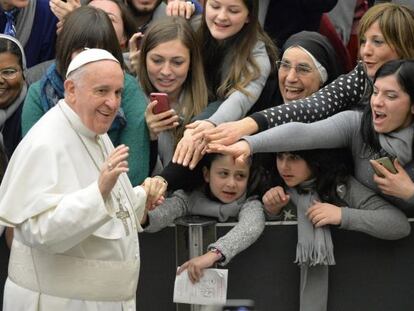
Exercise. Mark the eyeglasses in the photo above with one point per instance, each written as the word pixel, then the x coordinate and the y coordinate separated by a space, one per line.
pixel 300 69
pixel 9 73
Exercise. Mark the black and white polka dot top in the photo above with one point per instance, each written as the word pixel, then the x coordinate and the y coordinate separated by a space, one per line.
pixel 341 94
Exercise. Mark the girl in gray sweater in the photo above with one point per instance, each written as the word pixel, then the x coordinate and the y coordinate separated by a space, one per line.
pixel 225 194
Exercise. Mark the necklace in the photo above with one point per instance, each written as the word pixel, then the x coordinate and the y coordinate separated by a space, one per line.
pixel 123 213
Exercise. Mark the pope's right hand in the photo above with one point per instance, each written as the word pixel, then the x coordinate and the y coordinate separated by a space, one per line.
pixel 115 164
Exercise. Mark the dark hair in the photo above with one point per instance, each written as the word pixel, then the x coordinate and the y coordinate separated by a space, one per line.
pixel 404 73
pixel 85 27
pixel 330 168
pixel 243 67
pixel 256 182
pixel 8 45
pixel 130 25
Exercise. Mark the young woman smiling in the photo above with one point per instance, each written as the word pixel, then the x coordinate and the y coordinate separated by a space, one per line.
pixel 238 58
pixel 170 62
pixel 13 91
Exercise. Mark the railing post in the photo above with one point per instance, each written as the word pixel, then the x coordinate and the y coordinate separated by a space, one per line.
pixel 192 236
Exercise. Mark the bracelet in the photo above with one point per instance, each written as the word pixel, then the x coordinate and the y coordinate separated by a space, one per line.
pixel 218 252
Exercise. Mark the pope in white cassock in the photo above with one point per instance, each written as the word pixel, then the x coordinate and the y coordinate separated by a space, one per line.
pixel 76 215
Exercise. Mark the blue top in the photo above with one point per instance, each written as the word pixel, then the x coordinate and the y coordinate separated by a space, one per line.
pixel 41 44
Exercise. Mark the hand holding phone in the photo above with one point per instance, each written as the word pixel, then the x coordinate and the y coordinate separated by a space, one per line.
pixel 163 103
pixel 387 163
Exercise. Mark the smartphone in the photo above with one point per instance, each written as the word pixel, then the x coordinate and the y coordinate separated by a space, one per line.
pixel 387 163
pixel 163 102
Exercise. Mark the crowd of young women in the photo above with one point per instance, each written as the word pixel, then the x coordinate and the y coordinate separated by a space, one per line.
pixel 214 70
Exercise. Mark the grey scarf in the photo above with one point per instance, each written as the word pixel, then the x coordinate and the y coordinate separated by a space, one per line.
pixel 24 22
pixel 314 251
pixel 314 244
pixel 8 112
pixel 398 144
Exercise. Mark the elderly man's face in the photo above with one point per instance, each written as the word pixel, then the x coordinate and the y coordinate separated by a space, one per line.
pixel 96 94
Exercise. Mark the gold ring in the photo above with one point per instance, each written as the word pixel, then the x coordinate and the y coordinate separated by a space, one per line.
pixel 110 166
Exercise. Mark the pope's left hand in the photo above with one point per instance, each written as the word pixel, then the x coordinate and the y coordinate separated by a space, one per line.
pixel 398 185
pixel 155 188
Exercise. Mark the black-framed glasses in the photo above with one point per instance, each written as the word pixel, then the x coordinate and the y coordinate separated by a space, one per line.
pixel 300 69
pixel 9 73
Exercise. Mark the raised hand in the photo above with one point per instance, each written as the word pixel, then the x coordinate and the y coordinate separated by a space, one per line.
pixel 180 8
pixel 115 164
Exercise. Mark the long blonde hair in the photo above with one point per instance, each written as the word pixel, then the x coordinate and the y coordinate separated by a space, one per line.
pixel 238 49
pixel 194 94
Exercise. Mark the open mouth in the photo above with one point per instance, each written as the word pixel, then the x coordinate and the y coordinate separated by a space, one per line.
pixel 379 116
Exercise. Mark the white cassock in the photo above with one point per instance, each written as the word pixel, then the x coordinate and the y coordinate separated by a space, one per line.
pixel 72 250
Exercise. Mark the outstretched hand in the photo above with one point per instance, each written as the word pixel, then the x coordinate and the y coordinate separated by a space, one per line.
pixel 115 164
pixel 231 132
pixel 189 150
pixel 398 185
pixel 240 151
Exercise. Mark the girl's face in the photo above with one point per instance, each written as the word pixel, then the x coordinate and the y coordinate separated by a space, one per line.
pixel 374 50
pixel 298 76
pixel 391 105
pixel 11 79
pixel 292 168
pixel 115 16
pixel 227 179
pixel 225 18
pixel 167 67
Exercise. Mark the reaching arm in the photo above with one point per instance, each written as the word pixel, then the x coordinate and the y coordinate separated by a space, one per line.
pixel 248 229
pixel 341 94
pixel 165 214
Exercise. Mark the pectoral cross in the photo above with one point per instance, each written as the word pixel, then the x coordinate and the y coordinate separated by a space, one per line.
pixel 123 214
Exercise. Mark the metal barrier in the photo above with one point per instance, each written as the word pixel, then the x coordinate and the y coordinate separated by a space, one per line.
pixel 193 234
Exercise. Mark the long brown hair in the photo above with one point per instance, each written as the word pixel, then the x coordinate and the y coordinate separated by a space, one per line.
pixel 243 68
pixel 194 91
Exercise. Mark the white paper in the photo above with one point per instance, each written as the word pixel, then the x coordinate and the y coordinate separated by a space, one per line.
pixel 210 290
